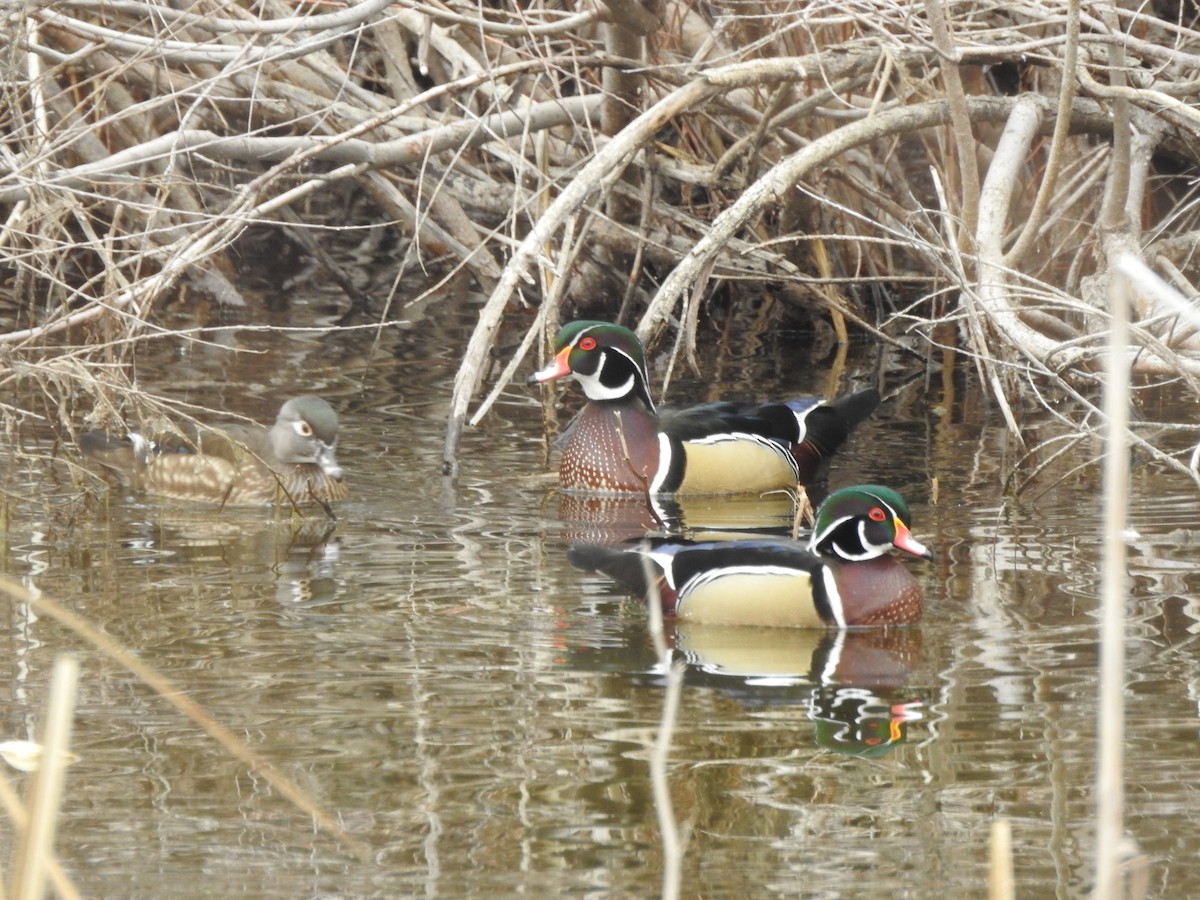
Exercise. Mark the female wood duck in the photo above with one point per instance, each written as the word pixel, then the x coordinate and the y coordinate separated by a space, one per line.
pixel 845 577
pixel 291 462
pixel 619 444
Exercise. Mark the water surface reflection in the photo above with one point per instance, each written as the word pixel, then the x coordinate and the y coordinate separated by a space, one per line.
pixel 481 714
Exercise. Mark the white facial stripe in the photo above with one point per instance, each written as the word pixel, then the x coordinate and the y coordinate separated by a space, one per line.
pixel 870 551
pixel 897 524
pixel 886 505
pixel 597 391
pixel 579 337
pixel 633 362
pixel 862 539
pixel 816 537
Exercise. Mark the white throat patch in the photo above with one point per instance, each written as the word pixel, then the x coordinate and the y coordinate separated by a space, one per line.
pixel 594 388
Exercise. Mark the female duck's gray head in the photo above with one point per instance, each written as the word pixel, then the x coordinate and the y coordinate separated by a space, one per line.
pixel 306 432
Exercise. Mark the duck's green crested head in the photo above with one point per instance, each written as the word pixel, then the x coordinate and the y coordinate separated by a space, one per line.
pixel 864 522
pixel 608 360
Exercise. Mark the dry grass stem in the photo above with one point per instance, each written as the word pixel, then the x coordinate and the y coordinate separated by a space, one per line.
pixel 33 866
pixel 1001 882
pixel 169 692
pixel 19 816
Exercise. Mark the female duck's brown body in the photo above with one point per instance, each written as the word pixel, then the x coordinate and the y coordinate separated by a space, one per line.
pixel 293 461
pixel 620 444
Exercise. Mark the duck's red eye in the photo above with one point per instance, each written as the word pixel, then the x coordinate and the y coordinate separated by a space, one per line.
pixel 588 343
pixel 877 514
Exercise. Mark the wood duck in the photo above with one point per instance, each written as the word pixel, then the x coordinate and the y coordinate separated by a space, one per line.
pixel 293 461
pixel 844 577
pixel 619 443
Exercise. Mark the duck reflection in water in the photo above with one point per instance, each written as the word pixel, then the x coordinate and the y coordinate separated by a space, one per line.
pixel 614 521
pixel 853 684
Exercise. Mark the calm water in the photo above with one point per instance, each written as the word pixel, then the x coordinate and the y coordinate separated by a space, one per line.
pixel 480 714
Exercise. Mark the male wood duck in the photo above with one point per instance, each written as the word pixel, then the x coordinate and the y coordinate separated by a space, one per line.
pixel 620 444
pixel 293 461
pixel 844 577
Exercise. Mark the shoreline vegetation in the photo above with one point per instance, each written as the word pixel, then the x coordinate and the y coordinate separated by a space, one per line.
pixel 970 183
pixel 640 156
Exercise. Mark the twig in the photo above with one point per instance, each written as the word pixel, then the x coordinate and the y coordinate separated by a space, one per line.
pixel 1054 158
pixel 184 52
pixel 341 148
pixel 772 186
pixel 19 816
pixel 1110 791
pixel 1113 211
pixel 960 119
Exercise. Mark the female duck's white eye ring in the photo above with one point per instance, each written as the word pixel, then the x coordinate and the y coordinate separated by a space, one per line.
pixel 303 429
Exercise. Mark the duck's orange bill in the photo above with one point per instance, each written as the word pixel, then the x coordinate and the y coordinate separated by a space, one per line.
pixel 906 542
pixel 557 369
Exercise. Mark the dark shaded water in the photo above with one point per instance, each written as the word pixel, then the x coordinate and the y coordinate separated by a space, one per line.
pixel 480 714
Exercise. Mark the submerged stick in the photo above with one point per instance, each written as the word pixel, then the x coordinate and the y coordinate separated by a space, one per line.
pixel 1000 882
